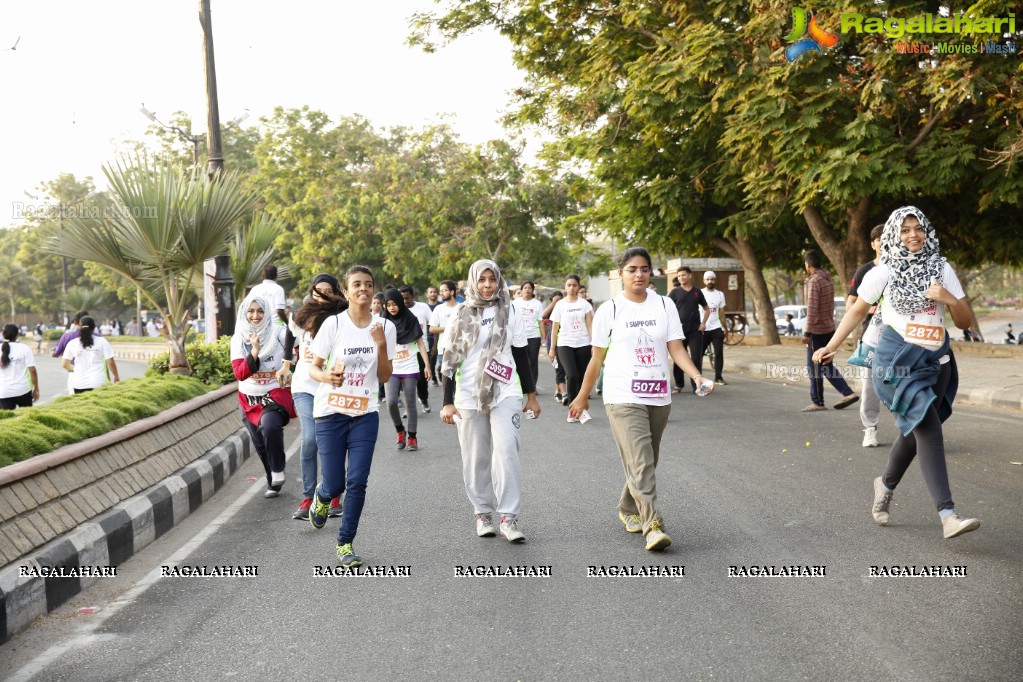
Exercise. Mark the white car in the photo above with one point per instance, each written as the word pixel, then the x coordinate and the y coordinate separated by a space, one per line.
pixel 798 313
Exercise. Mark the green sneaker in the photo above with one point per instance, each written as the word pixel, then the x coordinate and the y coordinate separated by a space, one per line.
pixel 318 512
pixel 347 557
pixel 632 523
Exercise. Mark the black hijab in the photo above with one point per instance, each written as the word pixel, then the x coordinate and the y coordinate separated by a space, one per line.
pixel 406 323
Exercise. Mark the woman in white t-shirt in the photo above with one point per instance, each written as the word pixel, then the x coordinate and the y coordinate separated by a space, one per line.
pixel 89 358
pixel 324 301
pixel 19 382
pixel 405 367
pixel 570 330
pixel 914 371
pixel 531 312
pixel 261 358
pixel 637 338
pixel 352 355
pixel 485 373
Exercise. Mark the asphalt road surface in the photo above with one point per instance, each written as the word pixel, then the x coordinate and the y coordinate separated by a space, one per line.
pixel 745 479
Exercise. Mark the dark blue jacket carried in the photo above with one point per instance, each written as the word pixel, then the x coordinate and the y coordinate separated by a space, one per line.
pixel 904 376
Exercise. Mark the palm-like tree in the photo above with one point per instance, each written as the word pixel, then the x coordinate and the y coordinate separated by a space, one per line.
pixel 85 298
pixel 163 226
pixel 252 249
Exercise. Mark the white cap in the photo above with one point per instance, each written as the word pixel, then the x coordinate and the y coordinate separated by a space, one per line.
pixel 710 273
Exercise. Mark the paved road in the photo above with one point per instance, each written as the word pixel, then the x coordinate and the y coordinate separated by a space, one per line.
pixel 53 377
pixel 738 486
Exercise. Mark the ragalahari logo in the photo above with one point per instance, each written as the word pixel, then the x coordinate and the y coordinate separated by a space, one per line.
pixel 818 36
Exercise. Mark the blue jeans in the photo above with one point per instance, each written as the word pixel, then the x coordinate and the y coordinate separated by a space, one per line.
pixel 308 456
pixel 819 372
pixel 344 440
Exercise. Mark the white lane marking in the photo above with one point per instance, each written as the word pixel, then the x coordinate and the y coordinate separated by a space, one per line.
pixel 86 630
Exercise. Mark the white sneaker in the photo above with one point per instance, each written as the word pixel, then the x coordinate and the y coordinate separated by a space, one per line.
pixel 870 437
pixel 882 500
pixel 656 538
pixel 277 478
pixel 485 526
pixel 954 525
pixel 510 529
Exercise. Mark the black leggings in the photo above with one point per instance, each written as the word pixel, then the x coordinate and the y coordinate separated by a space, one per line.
pixel 533 346
pixel 925 440
pixel 574 360
pixel 268 440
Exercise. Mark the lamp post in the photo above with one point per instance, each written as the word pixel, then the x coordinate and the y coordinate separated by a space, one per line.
pixel 195 140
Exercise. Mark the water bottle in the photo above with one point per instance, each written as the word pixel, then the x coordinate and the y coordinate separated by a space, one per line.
pixel 705 387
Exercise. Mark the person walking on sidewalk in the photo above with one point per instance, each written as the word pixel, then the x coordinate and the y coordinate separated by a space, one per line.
pixel 570 329
pixel 261 356
pixel 485 373
pixel 689 300
pixel 325 300
pixel 406 367
pixel 19 381
pixel 714 327
pixel 641 335
pixel 351 358
pixel 914 369
pixel 820 327
pixel 422 313
pixel 870 404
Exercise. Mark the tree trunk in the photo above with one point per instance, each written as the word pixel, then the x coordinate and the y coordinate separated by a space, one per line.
pixel 845 256
pixel 742 249
pixel 178 361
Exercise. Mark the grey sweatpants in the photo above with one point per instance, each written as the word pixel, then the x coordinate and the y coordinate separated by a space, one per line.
pixel 490 457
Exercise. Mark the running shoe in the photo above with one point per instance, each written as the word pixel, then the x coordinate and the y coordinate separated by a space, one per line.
pixel 413 444
pixel 882 500
pixel 426 406
pixel 336 509
pixel 347 557
pixel 302 513
pixel 557 396
pixel 277 479
pixel 719 382
pixel 485 526
pixel 955 525
pixel 870 437
pixel 813 407
pixel 632 522
pixel 400 443
pixel 318 512
pixel 510 529
pixel 565 401
pixel 272 491
pixel 656 538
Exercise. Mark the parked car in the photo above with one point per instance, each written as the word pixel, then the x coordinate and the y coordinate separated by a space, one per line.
pixel 798 313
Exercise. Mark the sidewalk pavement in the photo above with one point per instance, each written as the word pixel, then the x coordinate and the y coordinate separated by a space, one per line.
pixel 985 379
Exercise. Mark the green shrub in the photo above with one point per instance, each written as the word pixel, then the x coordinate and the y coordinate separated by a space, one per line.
pixel 53 334
pixel 27 432
pixel 210 362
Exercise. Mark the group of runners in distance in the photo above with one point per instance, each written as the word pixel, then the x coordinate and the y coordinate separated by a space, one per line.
pixel 350 347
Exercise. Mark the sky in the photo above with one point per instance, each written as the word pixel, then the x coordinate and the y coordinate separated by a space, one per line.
pixel 74 85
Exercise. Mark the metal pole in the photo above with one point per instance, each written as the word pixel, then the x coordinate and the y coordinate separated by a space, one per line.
pixel 216 159
pixel 223 283
pixel 63 271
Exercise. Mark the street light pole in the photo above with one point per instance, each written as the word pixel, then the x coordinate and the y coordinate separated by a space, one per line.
pixel 216 159
pixel 194 140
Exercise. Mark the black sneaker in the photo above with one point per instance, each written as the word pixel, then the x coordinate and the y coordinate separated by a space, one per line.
pixel 557 396
pixel 318 512
pixel 347 557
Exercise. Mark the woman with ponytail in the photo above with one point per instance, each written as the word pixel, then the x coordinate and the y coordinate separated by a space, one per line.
pixel 89 358
pixel 19 383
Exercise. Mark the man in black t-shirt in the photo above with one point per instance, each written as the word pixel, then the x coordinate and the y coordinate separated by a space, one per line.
pixel 689 300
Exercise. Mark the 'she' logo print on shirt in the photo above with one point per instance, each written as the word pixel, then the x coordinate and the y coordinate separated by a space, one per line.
pixel 818 36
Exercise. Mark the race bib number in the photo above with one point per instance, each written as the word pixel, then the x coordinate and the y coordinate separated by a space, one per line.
pixel 402 354
pixel 262 378
pixel 349 404
pixel 649 388
pixel 499 371
pixel 928 335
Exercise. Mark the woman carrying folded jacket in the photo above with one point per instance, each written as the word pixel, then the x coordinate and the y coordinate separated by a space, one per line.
pixel 261 355
pixel 914 370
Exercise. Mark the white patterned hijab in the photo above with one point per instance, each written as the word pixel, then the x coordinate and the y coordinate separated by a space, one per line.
pixel 264 330
pixel 465 330
pixel 910 273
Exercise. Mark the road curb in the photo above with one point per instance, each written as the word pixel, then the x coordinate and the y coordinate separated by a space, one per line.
pixel 111 537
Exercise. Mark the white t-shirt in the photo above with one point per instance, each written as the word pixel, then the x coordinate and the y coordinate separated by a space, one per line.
pixel 263 380
pixel 572 318
pixel 404 361
pixel 925 328
pixel 90 363
pixel 440 317
pixel 340 340
pixel 637 367
pixel 530 311
pixel 422 313
pixel 466 376
pixel 271 292
pixel 715 302
pixel 14 378
pixel 301 382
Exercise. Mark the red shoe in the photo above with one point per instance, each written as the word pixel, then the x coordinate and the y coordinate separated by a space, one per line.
pixel 302 513
pixel 413 443
pixel 401 440
pixel 335 508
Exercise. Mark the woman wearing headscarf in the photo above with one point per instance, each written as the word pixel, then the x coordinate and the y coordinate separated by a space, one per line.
pixel 89 358
pixel 405 376
pixel 485 373
pixel 19 382
pixel 914 371
pixel 324 300
pixel 261 356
